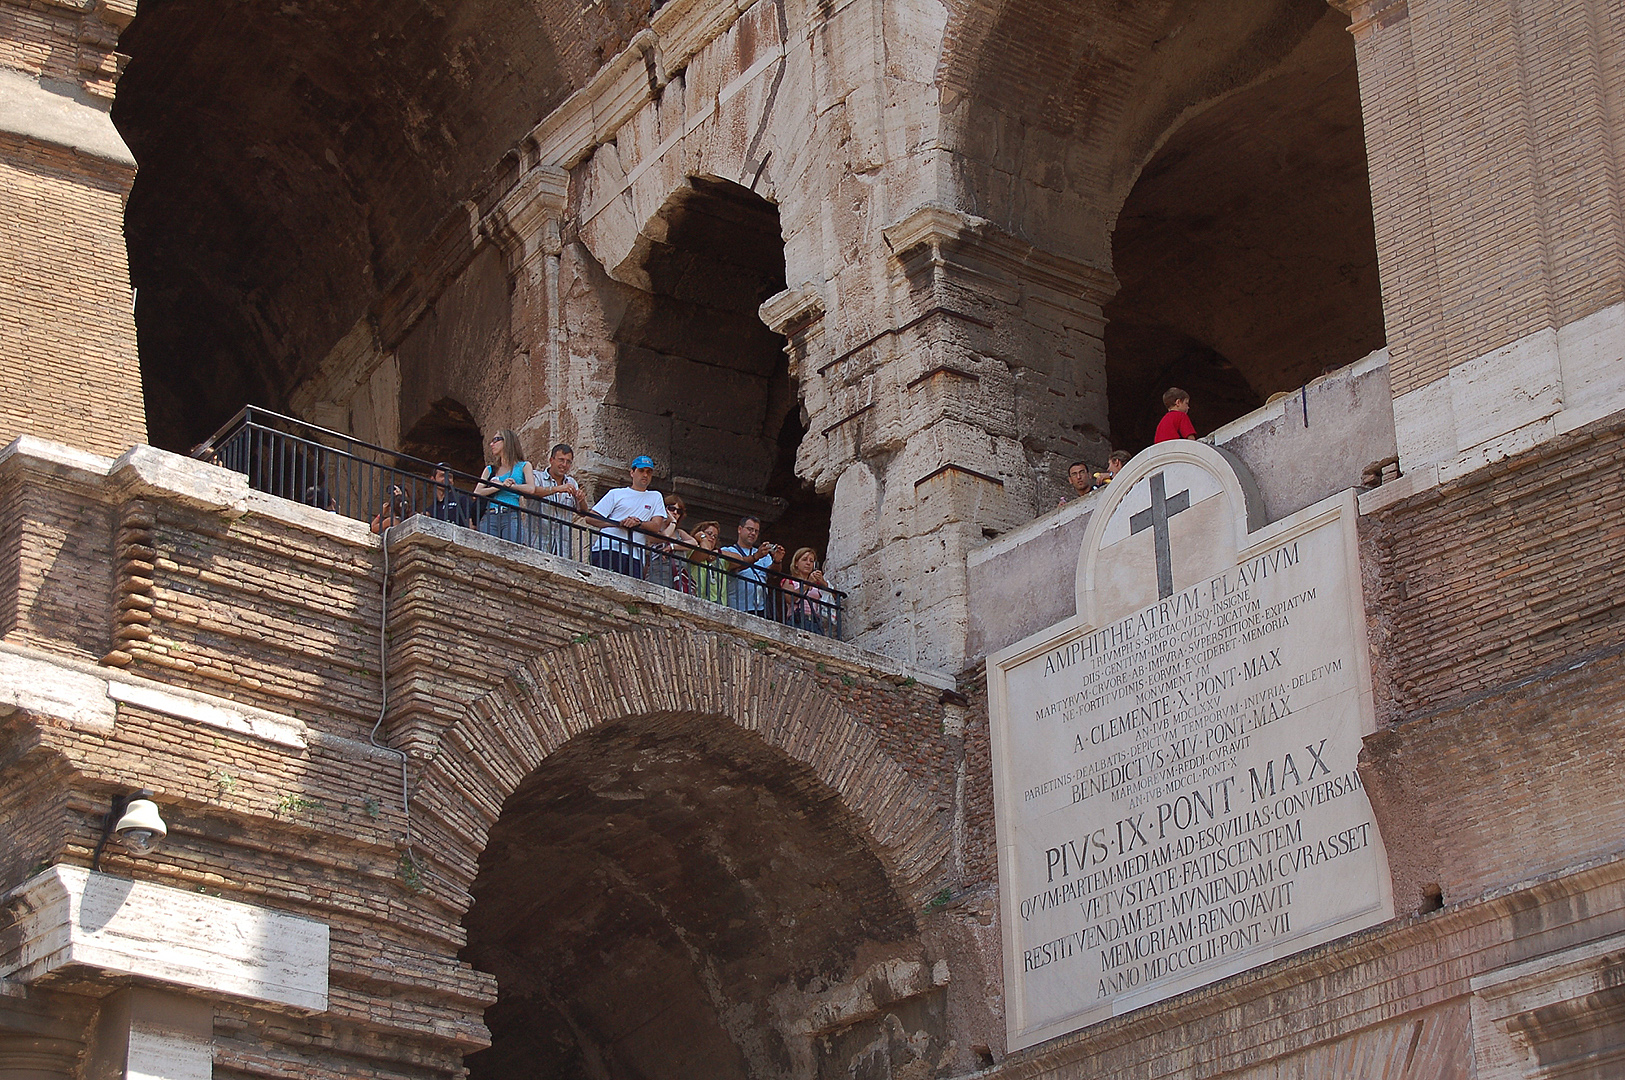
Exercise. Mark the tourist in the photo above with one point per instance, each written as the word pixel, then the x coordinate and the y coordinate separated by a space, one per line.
pixel 806 602
pixel 450 505
pixel 1081 479
pixel 747 591
pixel 1114 465
pixel 395 509
pixel 562 502
pixel 318 496
pixel 507 477
pixel 668 565
pixel 628 511
pixel 705 569
pixel 1176 424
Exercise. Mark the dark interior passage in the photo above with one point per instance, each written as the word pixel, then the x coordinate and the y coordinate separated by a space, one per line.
pixel 448 433
pixel 1246 250
pixel 295 157
pixel 700 382
pixel 652 896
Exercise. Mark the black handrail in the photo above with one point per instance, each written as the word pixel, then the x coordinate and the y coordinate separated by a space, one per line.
pixel 328 469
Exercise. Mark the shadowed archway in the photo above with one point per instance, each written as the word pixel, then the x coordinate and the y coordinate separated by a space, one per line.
pixel 683 853
pixel 1210 155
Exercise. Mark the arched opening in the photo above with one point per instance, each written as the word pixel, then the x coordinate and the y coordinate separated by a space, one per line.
pixel 448 433
pixel 1210 155
pixel 1246 252
pixel 296 159
pixel 668 896
pixel 700 383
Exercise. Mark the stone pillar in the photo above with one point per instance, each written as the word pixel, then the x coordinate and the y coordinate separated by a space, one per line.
pixel 1493 132
pixel 68 368
pixel 145 1034
pixel 952 424
pixel 525 226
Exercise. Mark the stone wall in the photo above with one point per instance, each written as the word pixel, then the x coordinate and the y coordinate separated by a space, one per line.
pixel 1298 450
pixel 245 694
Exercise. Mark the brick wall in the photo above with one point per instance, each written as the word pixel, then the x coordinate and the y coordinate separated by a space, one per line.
pixel 1493 132
pixel 1493 577
pixel 280 610
pixel 68 367
pixel 57 569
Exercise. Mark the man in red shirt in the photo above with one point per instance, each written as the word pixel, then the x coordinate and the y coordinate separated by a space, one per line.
pixel 1176 424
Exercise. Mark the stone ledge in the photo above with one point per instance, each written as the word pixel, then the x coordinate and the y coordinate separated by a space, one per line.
pixel 70 919
pixel 29 109
pixel 420 529
pixel 86 697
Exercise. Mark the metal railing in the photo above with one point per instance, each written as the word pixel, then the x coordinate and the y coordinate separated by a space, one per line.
pixel 332 471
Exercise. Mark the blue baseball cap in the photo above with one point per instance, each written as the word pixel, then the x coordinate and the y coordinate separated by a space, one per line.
pixel 643 461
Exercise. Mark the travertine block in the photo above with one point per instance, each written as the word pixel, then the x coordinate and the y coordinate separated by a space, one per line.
pixel 68 917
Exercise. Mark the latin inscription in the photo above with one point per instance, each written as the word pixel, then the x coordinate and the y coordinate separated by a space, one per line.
pixel 1188 802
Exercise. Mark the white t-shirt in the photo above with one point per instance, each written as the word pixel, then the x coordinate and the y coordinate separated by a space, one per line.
pixel 620 504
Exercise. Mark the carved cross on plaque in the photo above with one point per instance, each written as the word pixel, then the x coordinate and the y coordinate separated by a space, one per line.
pixel 1155 517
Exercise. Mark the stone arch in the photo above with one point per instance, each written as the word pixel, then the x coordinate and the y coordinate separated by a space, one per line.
pixel 297 162
pixel 560 695
pixel 698 380
pixel 683 853
pixel 1093 130
pixel 446 431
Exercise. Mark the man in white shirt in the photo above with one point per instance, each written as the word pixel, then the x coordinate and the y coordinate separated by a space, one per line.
pixel 561 500
pixel 618 547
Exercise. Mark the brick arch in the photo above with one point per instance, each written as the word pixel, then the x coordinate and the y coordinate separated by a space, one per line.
pixel 559 695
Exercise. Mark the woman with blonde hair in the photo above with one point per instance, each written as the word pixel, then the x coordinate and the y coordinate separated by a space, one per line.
pixel 507 477
pixel 806 605
pixel 706 571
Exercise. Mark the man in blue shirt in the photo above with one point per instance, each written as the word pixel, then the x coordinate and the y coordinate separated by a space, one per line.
pixel 747 586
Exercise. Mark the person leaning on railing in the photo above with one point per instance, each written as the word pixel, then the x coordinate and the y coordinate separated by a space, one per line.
pixel 561 501
pixel 630 514
pixel 504 480
pixel 805 602
pixel 748 591
pixel 706 569
pixel 450 505
pixel 395 509
pixel 668 565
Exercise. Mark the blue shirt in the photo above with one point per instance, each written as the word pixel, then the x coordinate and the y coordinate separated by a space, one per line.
pixel 747 587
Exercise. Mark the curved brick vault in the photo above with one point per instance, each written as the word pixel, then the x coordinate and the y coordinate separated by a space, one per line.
pixel 676 845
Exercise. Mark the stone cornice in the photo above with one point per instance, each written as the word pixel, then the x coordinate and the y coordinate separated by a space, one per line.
pixel 792 309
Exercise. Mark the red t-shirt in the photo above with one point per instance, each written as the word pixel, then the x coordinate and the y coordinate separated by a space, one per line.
pixel 1176 425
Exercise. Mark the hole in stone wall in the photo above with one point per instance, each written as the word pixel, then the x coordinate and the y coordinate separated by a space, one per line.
pixel 701 384
pixel 1246 251
pixel 1432 898
pixel 447 432
pixel 658 896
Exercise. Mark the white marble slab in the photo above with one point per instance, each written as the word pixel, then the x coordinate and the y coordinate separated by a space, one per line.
pixel 1176 791
pixel 70 917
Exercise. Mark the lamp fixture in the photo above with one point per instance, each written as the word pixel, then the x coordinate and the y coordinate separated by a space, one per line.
pixel 133 821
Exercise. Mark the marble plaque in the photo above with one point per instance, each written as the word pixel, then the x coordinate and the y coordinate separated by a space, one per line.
pixel 1175 781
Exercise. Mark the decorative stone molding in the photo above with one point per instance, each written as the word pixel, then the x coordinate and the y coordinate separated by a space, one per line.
pixel 793 309
pixel 1553 1013
pixel 931 225
pixel 525 222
